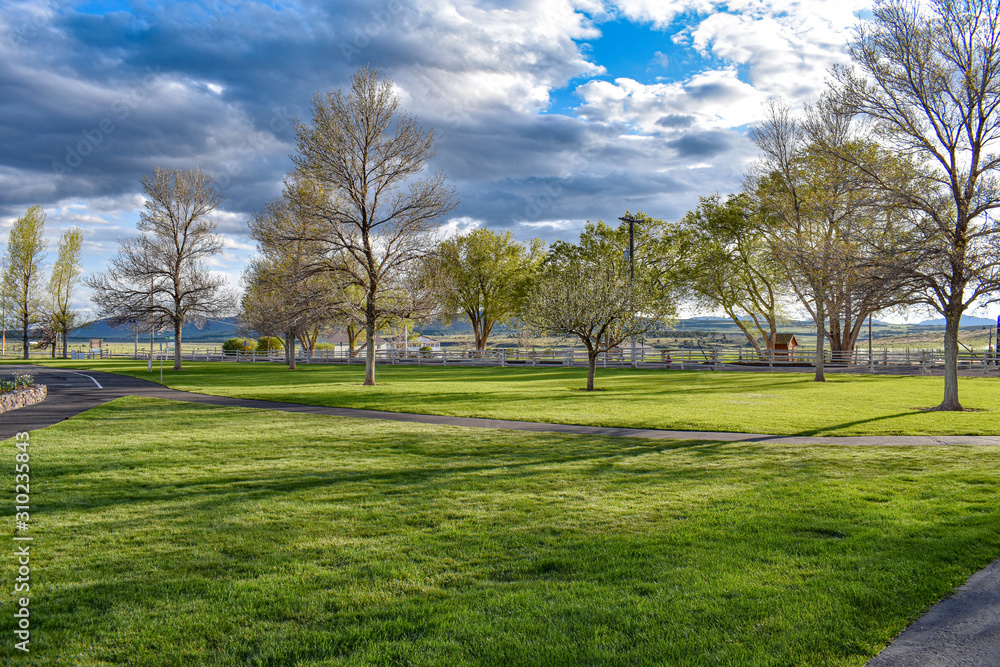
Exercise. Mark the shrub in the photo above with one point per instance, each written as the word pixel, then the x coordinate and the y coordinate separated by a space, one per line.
pixel 241 344
pixel 16 382
pixel 326 346
pixel 268 343
pixel 427 348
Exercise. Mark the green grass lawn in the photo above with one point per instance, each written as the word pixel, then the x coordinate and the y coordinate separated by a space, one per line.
pixel 778 403
pixel 181 534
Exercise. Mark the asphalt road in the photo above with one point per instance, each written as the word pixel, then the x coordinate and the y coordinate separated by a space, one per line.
pixel 963 629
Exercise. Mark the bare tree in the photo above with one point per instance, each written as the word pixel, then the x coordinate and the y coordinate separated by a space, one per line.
pixel 288 291
pixel 161 275
pixel 927 77
pixel 365 157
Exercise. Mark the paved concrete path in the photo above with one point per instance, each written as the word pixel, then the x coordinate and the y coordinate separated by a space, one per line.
pixel 963 629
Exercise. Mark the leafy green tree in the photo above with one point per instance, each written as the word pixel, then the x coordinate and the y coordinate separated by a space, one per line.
pixel 725 261
pixel 6 303
pixel 586 290
pixel 25 253
pixel 486 276
pixel 65 276
pixel 823 215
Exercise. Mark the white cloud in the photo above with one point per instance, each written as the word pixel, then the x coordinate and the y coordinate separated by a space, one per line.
pixel 661 13
pixel 715 99
pixel 475 58
pixel 786 45
pixel 460 225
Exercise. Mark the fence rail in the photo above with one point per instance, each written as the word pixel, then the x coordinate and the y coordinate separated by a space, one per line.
pixel 909 362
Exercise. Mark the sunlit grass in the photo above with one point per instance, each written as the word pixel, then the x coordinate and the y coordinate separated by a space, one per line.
pixel 170 534
pixel 778 403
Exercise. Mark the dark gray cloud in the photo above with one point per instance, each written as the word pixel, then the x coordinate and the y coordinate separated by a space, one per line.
pixel 702 144
pixel 675 120
pixel 90 102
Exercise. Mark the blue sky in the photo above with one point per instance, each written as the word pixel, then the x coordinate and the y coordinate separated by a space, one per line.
pixel 547 112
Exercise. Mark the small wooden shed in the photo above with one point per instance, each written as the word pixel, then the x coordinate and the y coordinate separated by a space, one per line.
pixel 784 345
pixel 785 342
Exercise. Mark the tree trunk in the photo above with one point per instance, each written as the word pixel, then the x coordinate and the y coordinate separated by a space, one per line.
pixel 479 331
pixel 952 320
pixel 65 335
pixel 370 347
pixel 487 329
pixel 352 339
pixel 24 336
pixel 591 368
pixel 290 350
pixel 178 325
pixel 820 341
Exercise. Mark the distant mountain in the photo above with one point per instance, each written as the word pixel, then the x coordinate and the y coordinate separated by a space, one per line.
pixel 214 330
pixel 967 321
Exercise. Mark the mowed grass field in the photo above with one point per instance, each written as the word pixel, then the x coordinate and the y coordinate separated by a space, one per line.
pixel 775 403
pixel 181 534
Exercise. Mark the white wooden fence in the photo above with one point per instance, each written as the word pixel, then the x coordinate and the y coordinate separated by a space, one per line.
pixel 907 362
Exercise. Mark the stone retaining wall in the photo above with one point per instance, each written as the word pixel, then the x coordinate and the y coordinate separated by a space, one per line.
pixel 12 400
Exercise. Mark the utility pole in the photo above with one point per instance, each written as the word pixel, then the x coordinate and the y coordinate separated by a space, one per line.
pixel 152 332
pixel 631 220
pixel 871 358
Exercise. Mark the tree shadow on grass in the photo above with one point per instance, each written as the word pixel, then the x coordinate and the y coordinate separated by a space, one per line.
pixel 837 427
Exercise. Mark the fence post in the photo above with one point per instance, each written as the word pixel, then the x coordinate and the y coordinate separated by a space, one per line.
pixel 923 362
pixel 715 359
pixel 503 358
pixel 770 360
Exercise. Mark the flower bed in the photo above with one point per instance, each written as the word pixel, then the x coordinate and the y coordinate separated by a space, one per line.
pixel 20 391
